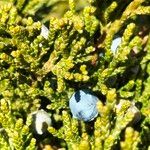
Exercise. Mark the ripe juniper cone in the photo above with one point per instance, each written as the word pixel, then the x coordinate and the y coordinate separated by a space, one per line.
pixel 44 31
pixel 41 121
pixel 132 108
pixel 83 105
pixel 115 43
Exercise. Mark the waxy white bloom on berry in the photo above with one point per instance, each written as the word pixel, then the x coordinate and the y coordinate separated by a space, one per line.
pixel 41 121
pixel 115 43
pixel 133 109
pixel 83 105
pixel 44 31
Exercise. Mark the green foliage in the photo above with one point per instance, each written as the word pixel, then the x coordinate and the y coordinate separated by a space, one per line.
pixel 43 73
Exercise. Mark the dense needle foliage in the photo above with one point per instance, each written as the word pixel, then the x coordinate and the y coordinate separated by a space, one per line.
pixel 39 73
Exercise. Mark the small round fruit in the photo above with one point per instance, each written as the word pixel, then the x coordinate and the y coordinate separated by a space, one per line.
pixel 83 105
pixel 44 31
pixel 41 121
pixel 115 43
